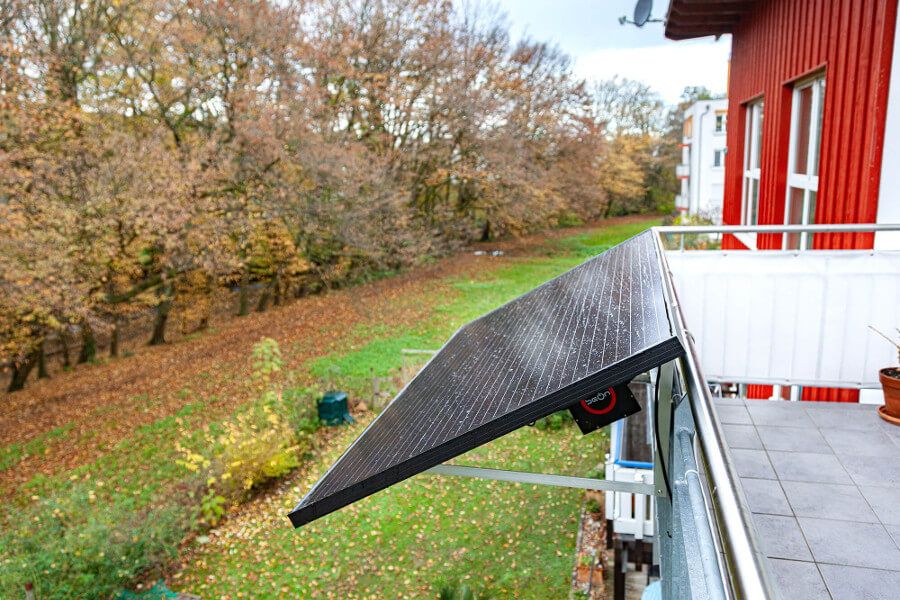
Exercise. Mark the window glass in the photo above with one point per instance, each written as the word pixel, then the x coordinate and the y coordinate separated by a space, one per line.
pixel 811 217
pixel 807 111
pixel 820 84
pixel 754 202
pixel 802 127
pixel 752 153
pixel 794 217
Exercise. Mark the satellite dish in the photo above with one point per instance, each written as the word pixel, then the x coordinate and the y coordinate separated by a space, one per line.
pixel 642 11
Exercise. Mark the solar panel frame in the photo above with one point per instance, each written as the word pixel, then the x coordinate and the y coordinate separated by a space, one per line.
pixel 328 494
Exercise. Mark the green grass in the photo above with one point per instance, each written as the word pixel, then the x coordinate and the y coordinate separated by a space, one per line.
pixel 13 454
pixel 91 530
pixel 514 540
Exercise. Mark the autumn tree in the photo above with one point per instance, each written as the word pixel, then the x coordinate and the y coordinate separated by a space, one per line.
pixel 157 153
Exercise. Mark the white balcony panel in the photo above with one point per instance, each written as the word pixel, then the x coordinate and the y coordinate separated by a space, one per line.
pixel 797 317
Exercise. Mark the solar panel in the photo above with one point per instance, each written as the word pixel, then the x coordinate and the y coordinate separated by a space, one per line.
pixel 596 326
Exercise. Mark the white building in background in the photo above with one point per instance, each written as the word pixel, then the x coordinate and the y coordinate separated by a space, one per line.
pixel 702 168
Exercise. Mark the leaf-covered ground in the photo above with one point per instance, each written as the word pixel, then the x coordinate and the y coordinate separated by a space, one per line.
pixel 517 541
pixel 93 450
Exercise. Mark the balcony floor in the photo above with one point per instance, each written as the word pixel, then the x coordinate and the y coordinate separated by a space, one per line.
pixel 823 483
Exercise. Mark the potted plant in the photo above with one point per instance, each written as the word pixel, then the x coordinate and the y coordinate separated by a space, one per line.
pixel 890 383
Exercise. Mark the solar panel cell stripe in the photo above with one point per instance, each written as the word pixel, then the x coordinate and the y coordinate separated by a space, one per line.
pixel 582 325
pixel 525 355
pixel 518 366
pixel 475 379
pixel 556 377
pixel 591 326
pixel 594 316
pixel 516 361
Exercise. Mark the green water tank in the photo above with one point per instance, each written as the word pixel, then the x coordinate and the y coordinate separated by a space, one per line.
pixel 333 408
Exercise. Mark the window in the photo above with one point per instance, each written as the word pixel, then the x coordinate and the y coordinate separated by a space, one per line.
pixel 719 158
pixel 752 146
pixel 721 120
pixel 689 127
pixel 803 160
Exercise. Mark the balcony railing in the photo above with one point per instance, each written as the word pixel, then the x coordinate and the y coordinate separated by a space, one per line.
pixel 705 513
pixel 708 545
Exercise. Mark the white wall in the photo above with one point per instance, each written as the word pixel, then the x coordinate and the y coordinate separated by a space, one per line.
pixel 889 195
pixel 774 317
pixel 702 192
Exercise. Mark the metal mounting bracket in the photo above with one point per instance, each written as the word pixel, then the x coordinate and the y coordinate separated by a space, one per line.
pixel 567 481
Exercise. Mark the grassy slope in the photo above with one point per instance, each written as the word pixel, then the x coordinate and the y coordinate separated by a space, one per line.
pixel 517 541
pixel 130 489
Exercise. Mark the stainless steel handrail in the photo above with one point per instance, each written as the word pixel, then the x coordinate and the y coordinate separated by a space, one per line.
pixel 826 228
pixel 747 566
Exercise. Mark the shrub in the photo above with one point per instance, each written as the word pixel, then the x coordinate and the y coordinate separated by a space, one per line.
pixel 554 422
pixel 257 446
pixel 461 591
pixel 266 360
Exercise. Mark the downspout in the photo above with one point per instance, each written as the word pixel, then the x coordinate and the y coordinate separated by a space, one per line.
pixel 700 146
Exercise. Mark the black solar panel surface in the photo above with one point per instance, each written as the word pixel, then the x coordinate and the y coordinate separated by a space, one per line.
pixel 598 325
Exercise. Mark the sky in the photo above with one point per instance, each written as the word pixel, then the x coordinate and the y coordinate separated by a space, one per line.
pixel 589 31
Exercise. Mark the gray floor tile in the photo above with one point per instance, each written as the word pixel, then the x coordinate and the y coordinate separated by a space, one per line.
pixel 862 443
pixel 728 402
pixel 775 412
pixel 885 501
pixel 766 496
pixel 733 414
pixel 847 417
pixel 794 439
pixel 807 466
pixel 741 436
pixel 868 471
pixel 828 501
pixel 752 463
pixel 798 580
pixel 849 543
pixel 854 583
pixel 892 431
pixel 894 531
pixel 781 537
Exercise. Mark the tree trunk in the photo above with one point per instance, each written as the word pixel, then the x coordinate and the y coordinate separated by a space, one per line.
pixel 42 363
pixel 64 342
pixel 114 340
pixel 486 231
pixel 21 371
pixel 162 317
pixel 263 303
pixel 88 344
pixel 609 207
pixel 276 291
pixel 244 299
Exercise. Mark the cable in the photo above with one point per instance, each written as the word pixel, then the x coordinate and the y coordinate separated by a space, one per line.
pixel 659 452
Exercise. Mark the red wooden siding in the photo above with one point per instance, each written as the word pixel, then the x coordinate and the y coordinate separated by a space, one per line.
pixel 776 43
pixel 780 41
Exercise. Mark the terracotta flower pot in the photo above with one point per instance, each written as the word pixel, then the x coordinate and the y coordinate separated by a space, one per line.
pixel 890 383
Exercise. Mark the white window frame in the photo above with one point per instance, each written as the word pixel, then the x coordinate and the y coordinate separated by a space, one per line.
pixel 754 111
pixel 720 152
pixel 809 181
pixel 720 117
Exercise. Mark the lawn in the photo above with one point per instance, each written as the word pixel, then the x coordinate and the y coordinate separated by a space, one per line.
pixel 90 529
pixel 513 540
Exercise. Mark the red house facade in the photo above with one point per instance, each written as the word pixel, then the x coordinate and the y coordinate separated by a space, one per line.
pixel 814 119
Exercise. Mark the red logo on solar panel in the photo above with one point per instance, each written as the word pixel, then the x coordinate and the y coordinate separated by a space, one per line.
pixel 600 404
